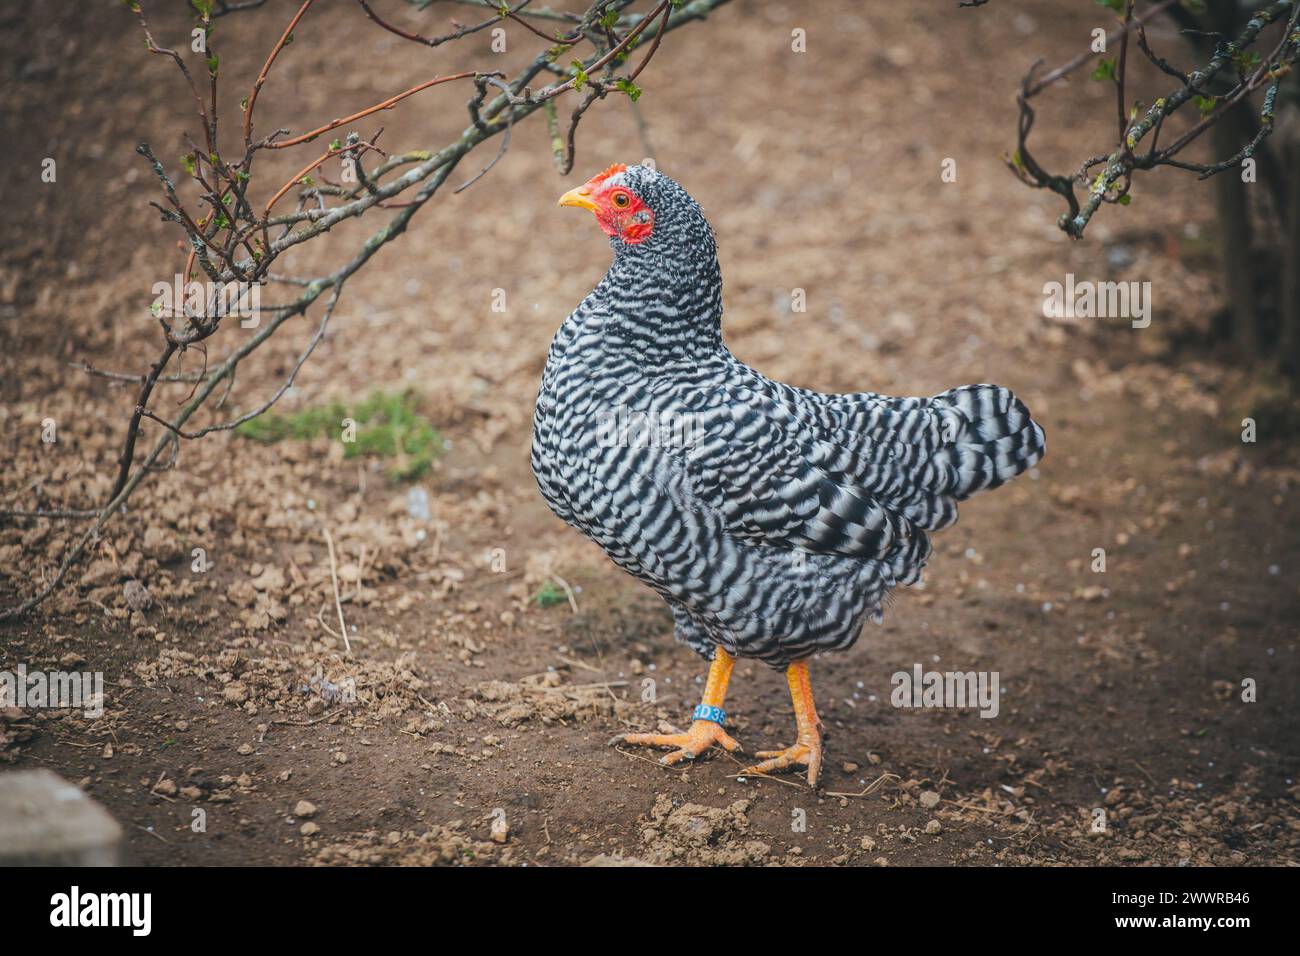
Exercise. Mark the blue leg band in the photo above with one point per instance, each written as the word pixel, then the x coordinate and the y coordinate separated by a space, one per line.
pixel 707 712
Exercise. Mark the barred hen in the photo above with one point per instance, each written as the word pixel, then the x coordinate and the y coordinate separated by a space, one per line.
pixel 773 520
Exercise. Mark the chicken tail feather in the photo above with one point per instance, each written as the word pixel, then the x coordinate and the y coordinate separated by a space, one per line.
pixel 989 438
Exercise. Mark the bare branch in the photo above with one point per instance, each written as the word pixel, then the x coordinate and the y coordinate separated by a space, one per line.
pixel 231 239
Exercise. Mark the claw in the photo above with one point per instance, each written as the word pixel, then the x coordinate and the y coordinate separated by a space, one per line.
pixel 702 735
pixel 807 753
pixel 807 749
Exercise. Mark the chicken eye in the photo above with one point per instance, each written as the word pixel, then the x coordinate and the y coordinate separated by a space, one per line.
pixel 621 200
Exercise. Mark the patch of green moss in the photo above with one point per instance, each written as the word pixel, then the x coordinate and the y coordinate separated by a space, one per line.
pixel 388 425
pixel 549 595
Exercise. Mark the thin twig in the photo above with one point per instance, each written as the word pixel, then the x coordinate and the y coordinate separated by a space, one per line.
pixel 334 577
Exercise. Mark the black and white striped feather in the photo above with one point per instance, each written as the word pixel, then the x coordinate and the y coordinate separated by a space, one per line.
pixel 773 520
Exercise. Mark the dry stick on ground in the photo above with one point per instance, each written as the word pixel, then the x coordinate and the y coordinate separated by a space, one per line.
pixel 868 790
pixel 233 244
pixel 1119 163
pixel 334 577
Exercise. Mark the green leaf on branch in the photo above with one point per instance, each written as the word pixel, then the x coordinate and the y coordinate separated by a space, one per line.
pixel 579 75
pixel 1246 61
pixel 1206 104
pixel 631 89
pixel 1106 69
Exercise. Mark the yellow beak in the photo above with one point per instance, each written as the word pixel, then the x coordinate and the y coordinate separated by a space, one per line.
pixel 580 197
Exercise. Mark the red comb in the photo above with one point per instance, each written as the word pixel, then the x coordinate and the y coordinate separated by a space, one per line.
pixel 612 171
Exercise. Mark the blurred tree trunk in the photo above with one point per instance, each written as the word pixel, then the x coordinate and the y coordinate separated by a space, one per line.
pixel 1289 333
pixel 1237 265
pixel 1231 194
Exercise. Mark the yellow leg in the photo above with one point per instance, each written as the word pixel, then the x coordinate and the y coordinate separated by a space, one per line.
pixel 703 733
pixel 807 750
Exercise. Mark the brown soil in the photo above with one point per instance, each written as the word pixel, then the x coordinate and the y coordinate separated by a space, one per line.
pixel 474 705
